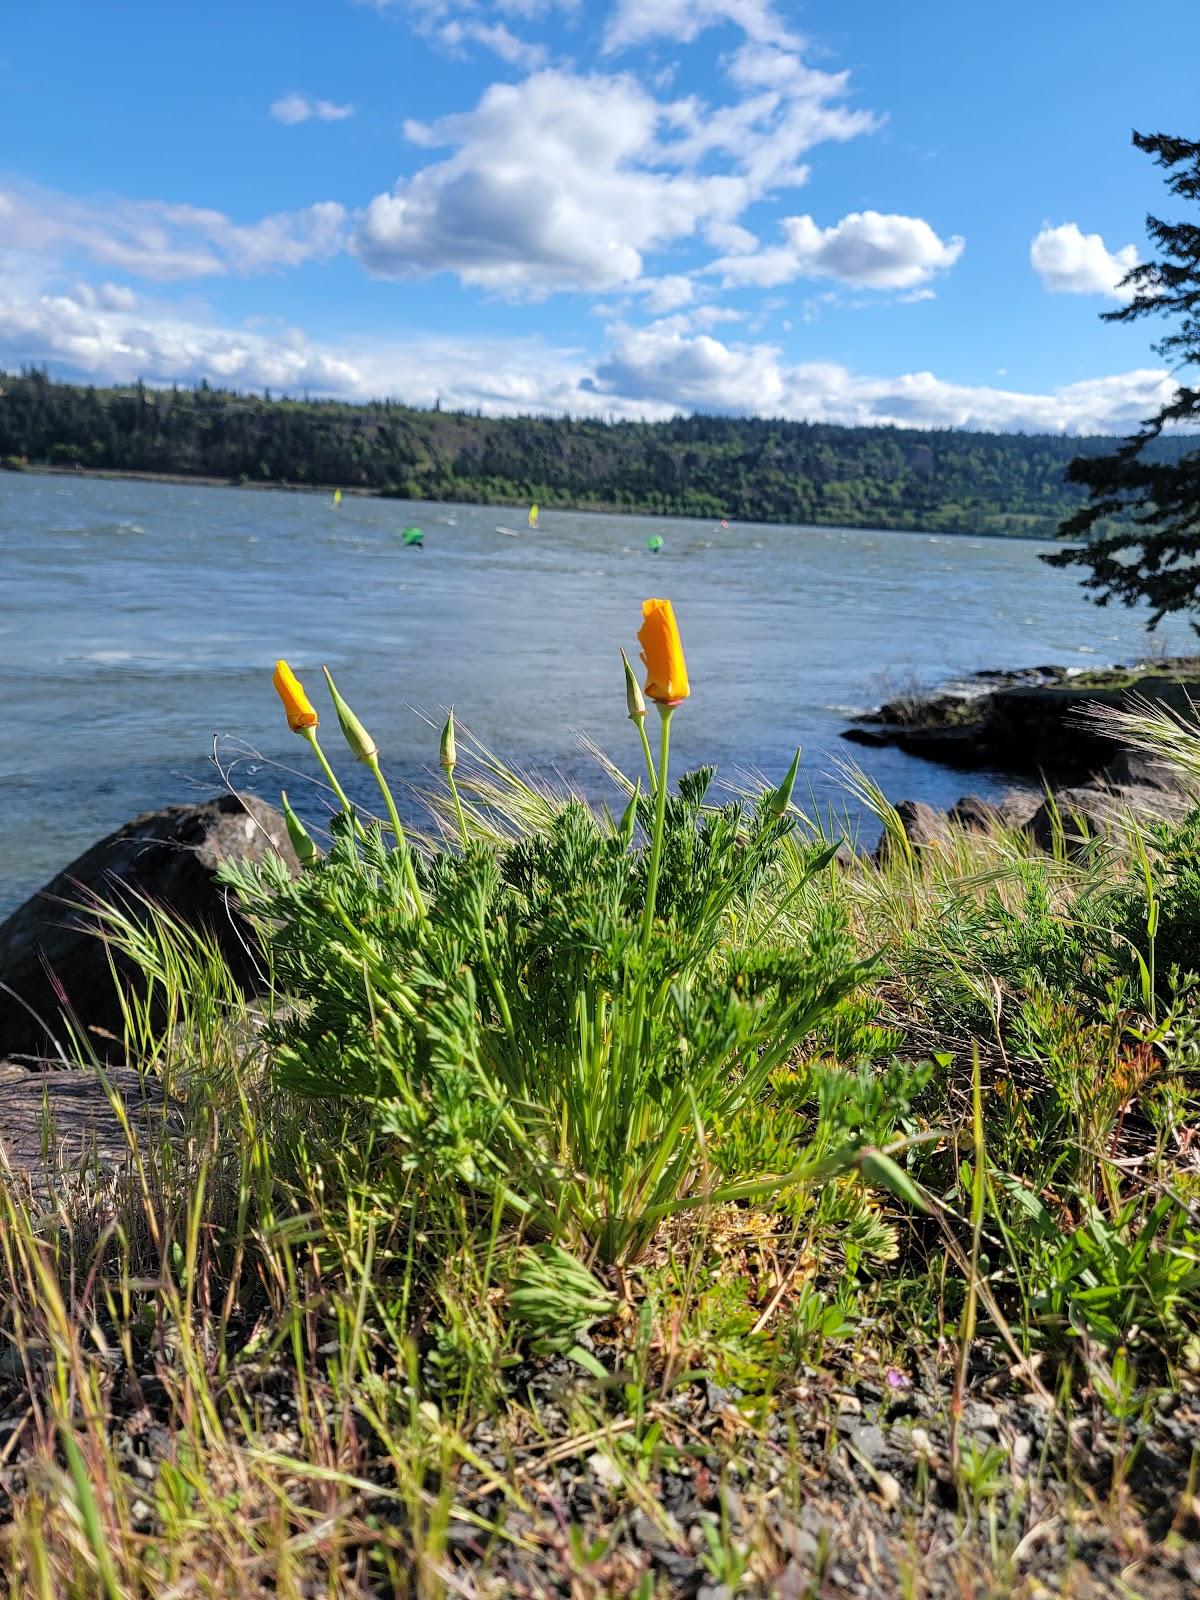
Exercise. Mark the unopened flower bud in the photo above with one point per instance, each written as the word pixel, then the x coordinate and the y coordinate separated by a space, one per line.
pixel 448 756
pixel 300 713
pixel 357 737
pixel 635 700
pixel 629 820
pixel 781 798
pixel 306 850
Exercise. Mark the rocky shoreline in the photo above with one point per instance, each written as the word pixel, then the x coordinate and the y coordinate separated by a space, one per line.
pixel 1034 722
pixel 1039 724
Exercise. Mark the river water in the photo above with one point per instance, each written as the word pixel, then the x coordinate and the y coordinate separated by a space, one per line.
pixel 139 623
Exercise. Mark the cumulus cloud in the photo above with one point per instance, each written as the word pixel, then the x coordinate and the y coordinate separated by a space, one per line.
pixel 293 108
pixel 553 184
pixel 667 294
pixel 1069 261
pixel 648 372
pixel 566 181
pixel 159 240
pixel 866 248
pixel 666 365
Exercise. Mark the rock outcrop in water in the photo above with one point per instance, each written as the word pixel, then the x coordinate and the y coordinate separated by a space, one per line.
pixel 1037 723
pixel 1032 722
pixel 51 960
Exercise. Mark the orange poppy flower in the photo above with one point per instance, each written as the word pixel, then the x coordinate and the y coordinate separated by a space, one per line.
pixel 662 653
pixel 300 714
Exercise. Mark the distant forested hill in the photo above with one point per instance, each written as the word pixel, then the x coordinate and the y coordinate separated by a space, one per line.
pixel 743 468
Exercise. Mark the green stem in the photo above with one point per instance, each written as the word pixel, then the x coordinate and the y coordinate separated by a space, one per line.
pixel 641 728
pixel 458 810
pixel 401 838
pixel 660 816
pixel 311 735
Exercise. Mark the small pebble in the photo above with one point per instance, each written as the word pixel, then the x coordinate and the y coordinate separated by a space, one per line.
pixel 889 1489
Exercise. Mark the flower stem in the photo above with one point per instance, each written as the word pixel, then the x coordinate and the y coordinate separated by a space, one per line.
pixel 660 814
pixel 641 728
pixel 401 839
pixel 311 735
pixel 458 810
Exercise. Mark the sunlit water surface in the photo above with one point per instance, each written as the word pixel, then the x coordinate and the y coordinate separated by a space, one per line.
pixel 139 623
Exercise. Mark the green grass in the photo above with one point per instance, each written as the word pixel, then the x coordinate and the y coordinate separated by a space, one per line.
pixel 473 1199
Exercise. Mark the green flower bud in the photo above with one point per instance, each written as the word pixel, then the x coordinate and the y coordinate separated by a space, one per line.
pixel 635 700
pixel 629 819
pixel 306 850
pixel 448 756
pixel 357 737
pixel 781 799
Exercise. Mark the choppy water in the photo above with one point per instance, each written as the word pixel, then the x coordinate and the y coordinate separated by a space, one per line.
pixel 139 621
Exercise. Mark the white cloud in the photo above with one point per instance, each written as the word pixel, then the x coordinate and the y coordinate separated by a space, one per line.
pixel 667 294
pixel 866 248
pixel 294 108
pixel 670 368
pixel 495 36
pixel 159 240
pixel 108 296
pixel 687 372
pixel 1069 261
pixel 649 372
pixel 566 181
pixel 638 21
pixel 557 183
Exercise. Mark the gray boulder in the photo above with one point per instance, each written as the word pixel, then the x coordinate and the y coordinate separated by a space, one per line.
pixel 923 827
pixel 976 814
pixel 1140 770
pixel 50 958
pixel 1091 810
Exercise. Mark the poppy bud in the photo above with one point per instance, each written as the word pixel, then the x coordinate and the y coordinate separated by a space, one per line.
pixel 448 756
pixel 635 701
pixel 781 798
pixel 357 737
pixel 662 653
pixel 296 704
pixel 306 850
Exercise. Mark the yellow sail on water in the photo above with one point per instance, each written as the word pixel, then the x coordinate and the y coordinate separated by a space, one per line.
pixel 337 497
pixel 533 515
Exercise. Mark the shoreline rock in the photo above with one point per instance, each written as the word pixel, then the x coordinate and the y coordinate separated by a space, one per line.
pixel 1032 722
pixel 1035 723
pixel 51 959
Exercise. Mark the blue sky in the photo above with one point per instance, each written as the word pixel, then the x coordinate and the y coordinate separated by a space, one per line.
pixel 854 212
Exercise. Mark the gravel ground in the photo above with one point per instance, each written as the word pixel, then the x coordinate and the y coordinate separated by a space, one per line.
pixel 845 1488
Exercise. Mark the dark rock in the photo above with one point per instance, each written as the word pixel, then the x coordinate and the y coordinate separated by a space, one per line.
pixel 1085 812
pixel 1017 807
pixel 976 814
pixel 50 956
pixel 1139 769
pixel 923 827
pixel 1038 722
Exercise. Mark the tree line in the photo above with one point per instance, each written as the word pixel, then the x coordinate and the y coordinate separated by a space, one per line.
pixel 744 468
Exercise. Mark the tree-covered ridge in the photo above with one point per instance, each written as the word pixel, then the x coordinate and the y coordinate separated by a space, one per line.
pixel 745 468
